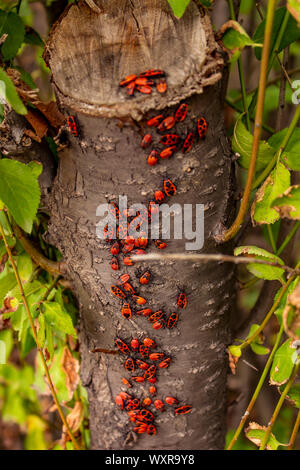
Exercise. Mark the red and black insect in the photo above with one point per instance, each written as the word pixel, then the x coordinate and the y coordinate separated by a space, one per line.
pixel 151 430
pixel 156 316
pixel 129 365
pixel 170 139
pixel 128 288
pixel 114 264
pixel 133 414
pixel 142 365
pixel 159 244
pixel 133 404
pixel 145 415
pixel 168 152
pixel 156 356
pixel 152 73
pixel 182 410
pixel 166 124
pixel 128 79
pixel 145 89
pixel 161 86
pixel 182 300
pixel 122 346
pixel 141 428
pixel 128 261
pixel 165 363
pixel 125 396
pixel 119 401
pixel 159 196
pixel 150 372
pixel 130 88
pixel 118 292
pixel 127 249
pixel 134 344
pixel 124 278
pixel 159 405
pixel 153 208
pixel 180 114
pixel 122 230
pixel 115 249
pixel 144 81
pixel 147 401
pixel 152 380
pixel 202 127
pixel 154 122
pixel 149 342
pixel 144 351
pixel 126 310
pixel 138 379
pixel 126 382
pixel 153 158
pixel 114 210
pixel 145 278
pixel 145 312
pixel 172 320
pixel 171 401
pixel 169 188
pixel 188 142
pixel 152 390
pixel 146 141
pixel 139 300
pixel 72 125
pixel 159 324
pixel 109 233
pixel 141 242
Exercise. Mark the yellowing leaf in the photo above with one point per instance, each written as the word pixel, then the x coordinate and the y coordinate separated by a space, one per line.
pixel 70 366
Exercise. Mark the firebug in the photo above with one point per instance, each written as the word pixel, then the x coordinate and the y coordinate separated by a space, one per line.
pixel 114 264
pixel 188 142
pixel 171 401
pixel 145 278
pixel 170 139
pixel 180 114
pixel 128 79
pixel 165 363
pixel 118 292
pixel 129 365
pixel 145 89
pixel 159 244
pixel 122 346
pixel 134 344
pixel 126 310
pixel 202 127
pixel 154 122
pixel 72 125
pixel 166 124
pixel 144 351
pixel 142 365
pixel 146 141
pixel 169 188
pixel 159 405
pixel 152 158
pixel 150 372
pixel 159 196
pixel 156 356
pixel 172 320
pixel 161 86
pixel 182 300
pixel 168 152
pixel 182 410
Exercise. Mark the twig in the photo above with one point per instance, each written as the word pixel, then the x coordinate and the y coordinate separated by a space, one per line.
pixel 278 407
pixel 230 233
pixel 34 332
pixel 282 89
pixel 295 432
pixel 53 267
pixel 105 351
pixel 257 390
pixel 205 258
pixel 288 238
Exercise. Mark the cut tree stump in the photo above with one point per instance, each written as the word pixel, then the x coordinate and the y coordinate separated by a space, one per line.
pixel 89 53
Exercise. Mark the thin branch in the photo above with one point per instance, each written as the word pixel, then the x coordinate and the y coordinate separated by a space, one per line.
pixel 278 407
pixel 230 233
pixel 295 432
pixel 205 258
pixel 257 390
pixel 282 90
pixel 53 267
pixel 105 351
pixel 34 332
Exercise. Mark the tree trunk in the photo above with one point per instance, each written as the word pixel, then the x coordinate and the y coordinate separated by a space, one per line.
pixel 88 54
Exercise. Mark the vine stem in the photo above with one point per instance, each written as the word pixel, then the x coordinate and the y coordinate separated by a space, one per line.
pixel 281 149
pixel 34 332
pixel 278 407
pixel 288 238
pixel 241 73
pixel 230 233
pixel 295 432
pixel 257 390
pixel 270 313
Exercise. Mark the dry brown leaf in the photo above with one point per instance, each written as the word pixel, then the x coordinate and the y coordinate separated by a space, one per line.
pixel 74 420
pixel 38 123
pixel 70 366
pixel 291 314
pixel 233 360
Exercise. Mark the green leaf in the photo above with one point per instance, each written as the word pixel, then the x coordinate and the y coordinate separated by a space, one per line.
pixel 288 204
pixel 7 283
pixel 270 273
pixel 178 7
pixel 35 439
pixel 259 349
pixel 41 331
pixel 20 192
pixel 242 144
pixel 25 267
pixel 283 363
pixel 282 303
pixel 7 337
pixel 257 345
pixel 255 433
pixel 235 350
pixel 235 38
pixel 276 183
pixel 36 168
pixel 291 153
pixel 294 8
pixel 291 34
pixel 12 25
pixel 32 37
pixel 293 395
pixel 8 93
pixel 56 317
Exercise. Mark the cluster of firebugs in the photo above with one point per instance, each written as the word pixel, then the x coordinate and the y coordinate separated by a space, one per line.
pixel 141 355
